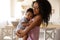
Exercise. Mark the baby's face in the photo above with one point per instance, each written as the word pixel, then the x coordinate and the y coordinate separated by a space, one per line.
pixel 29 15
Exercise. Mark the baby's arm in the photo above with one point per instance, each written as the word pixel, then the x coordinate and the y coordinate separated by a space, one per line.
pixel 25 24
pixel 30 22
pixel 25 37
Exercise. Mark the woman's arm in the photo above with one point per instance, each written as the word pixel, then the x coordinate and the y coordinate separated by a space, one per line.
pixel 36 22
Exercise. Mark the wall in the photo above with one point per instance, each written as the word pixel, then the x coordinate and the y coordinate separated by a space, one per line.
pixel 4 12
pixel 55 15
pixel 55 5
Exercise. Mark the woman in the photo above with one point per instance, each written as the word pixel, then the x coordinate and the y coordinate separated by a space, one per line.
pixel 42 11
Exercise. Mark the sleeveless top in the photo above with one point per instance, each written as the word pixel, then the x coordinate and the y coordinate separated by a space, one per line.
pixel 34 33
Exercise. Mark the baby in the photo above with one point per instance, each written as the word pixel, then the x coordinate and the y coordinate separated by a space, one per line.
pixel 24 22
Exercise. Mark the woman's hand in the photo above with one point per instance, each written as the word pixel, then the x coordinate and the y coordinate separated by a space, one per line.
pixel 18 34
pixel 21 33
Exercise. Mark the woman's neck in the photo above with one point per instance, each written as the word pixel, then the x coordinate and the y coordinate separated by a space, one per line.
pixel 36 14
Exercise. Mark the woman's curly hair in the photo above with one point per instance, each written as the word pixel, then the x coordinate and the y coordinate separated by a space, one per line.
pixel 44 10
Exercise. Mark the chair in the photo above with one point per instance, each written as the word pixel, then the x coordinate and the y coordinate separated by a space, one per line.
pixel 7 33
pixel 50 33
pixel 1 37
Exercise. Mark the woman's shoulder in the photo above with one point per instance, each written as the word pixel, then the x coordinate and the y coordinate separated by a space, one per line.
pixel 37 20
pixel 38 17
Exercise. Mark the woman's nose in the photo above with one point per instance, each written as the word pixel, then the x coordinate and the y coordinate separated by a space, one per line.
pixel 34 9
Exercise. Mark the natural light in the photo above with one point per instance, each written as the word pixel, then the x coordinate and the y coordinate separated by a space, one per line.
pixel 4 10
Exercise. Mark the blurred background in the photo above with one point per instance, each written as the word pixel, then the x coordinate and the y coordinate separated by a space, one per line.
pixel 12 10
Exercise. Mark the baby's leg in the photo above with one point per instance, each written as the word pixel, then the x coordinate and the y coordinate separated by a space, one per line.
pixel 25 37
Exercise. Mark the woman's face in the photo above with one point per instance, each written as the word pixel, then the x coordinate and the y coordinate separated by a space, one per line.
pixel 36 8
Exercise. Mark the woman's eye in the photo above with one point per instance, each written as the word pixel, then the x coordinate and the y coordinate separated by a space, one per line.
pixel 35 7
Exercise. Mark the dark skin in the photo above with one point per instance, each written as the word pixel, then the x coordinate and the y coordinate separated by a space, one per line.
pixel 28 16
pixel 37 21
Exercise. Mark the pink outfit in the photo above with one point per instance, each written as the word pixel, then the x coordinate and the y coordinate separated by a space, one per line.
pixel 34 34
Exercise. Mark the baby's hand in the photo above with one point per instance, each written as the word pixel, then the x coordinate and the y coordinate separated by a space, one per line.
pixel 19 31
pixel 30 21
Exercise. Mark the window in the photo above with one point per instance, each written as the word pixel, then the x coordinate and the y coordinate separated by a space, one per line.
pixel 4 10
